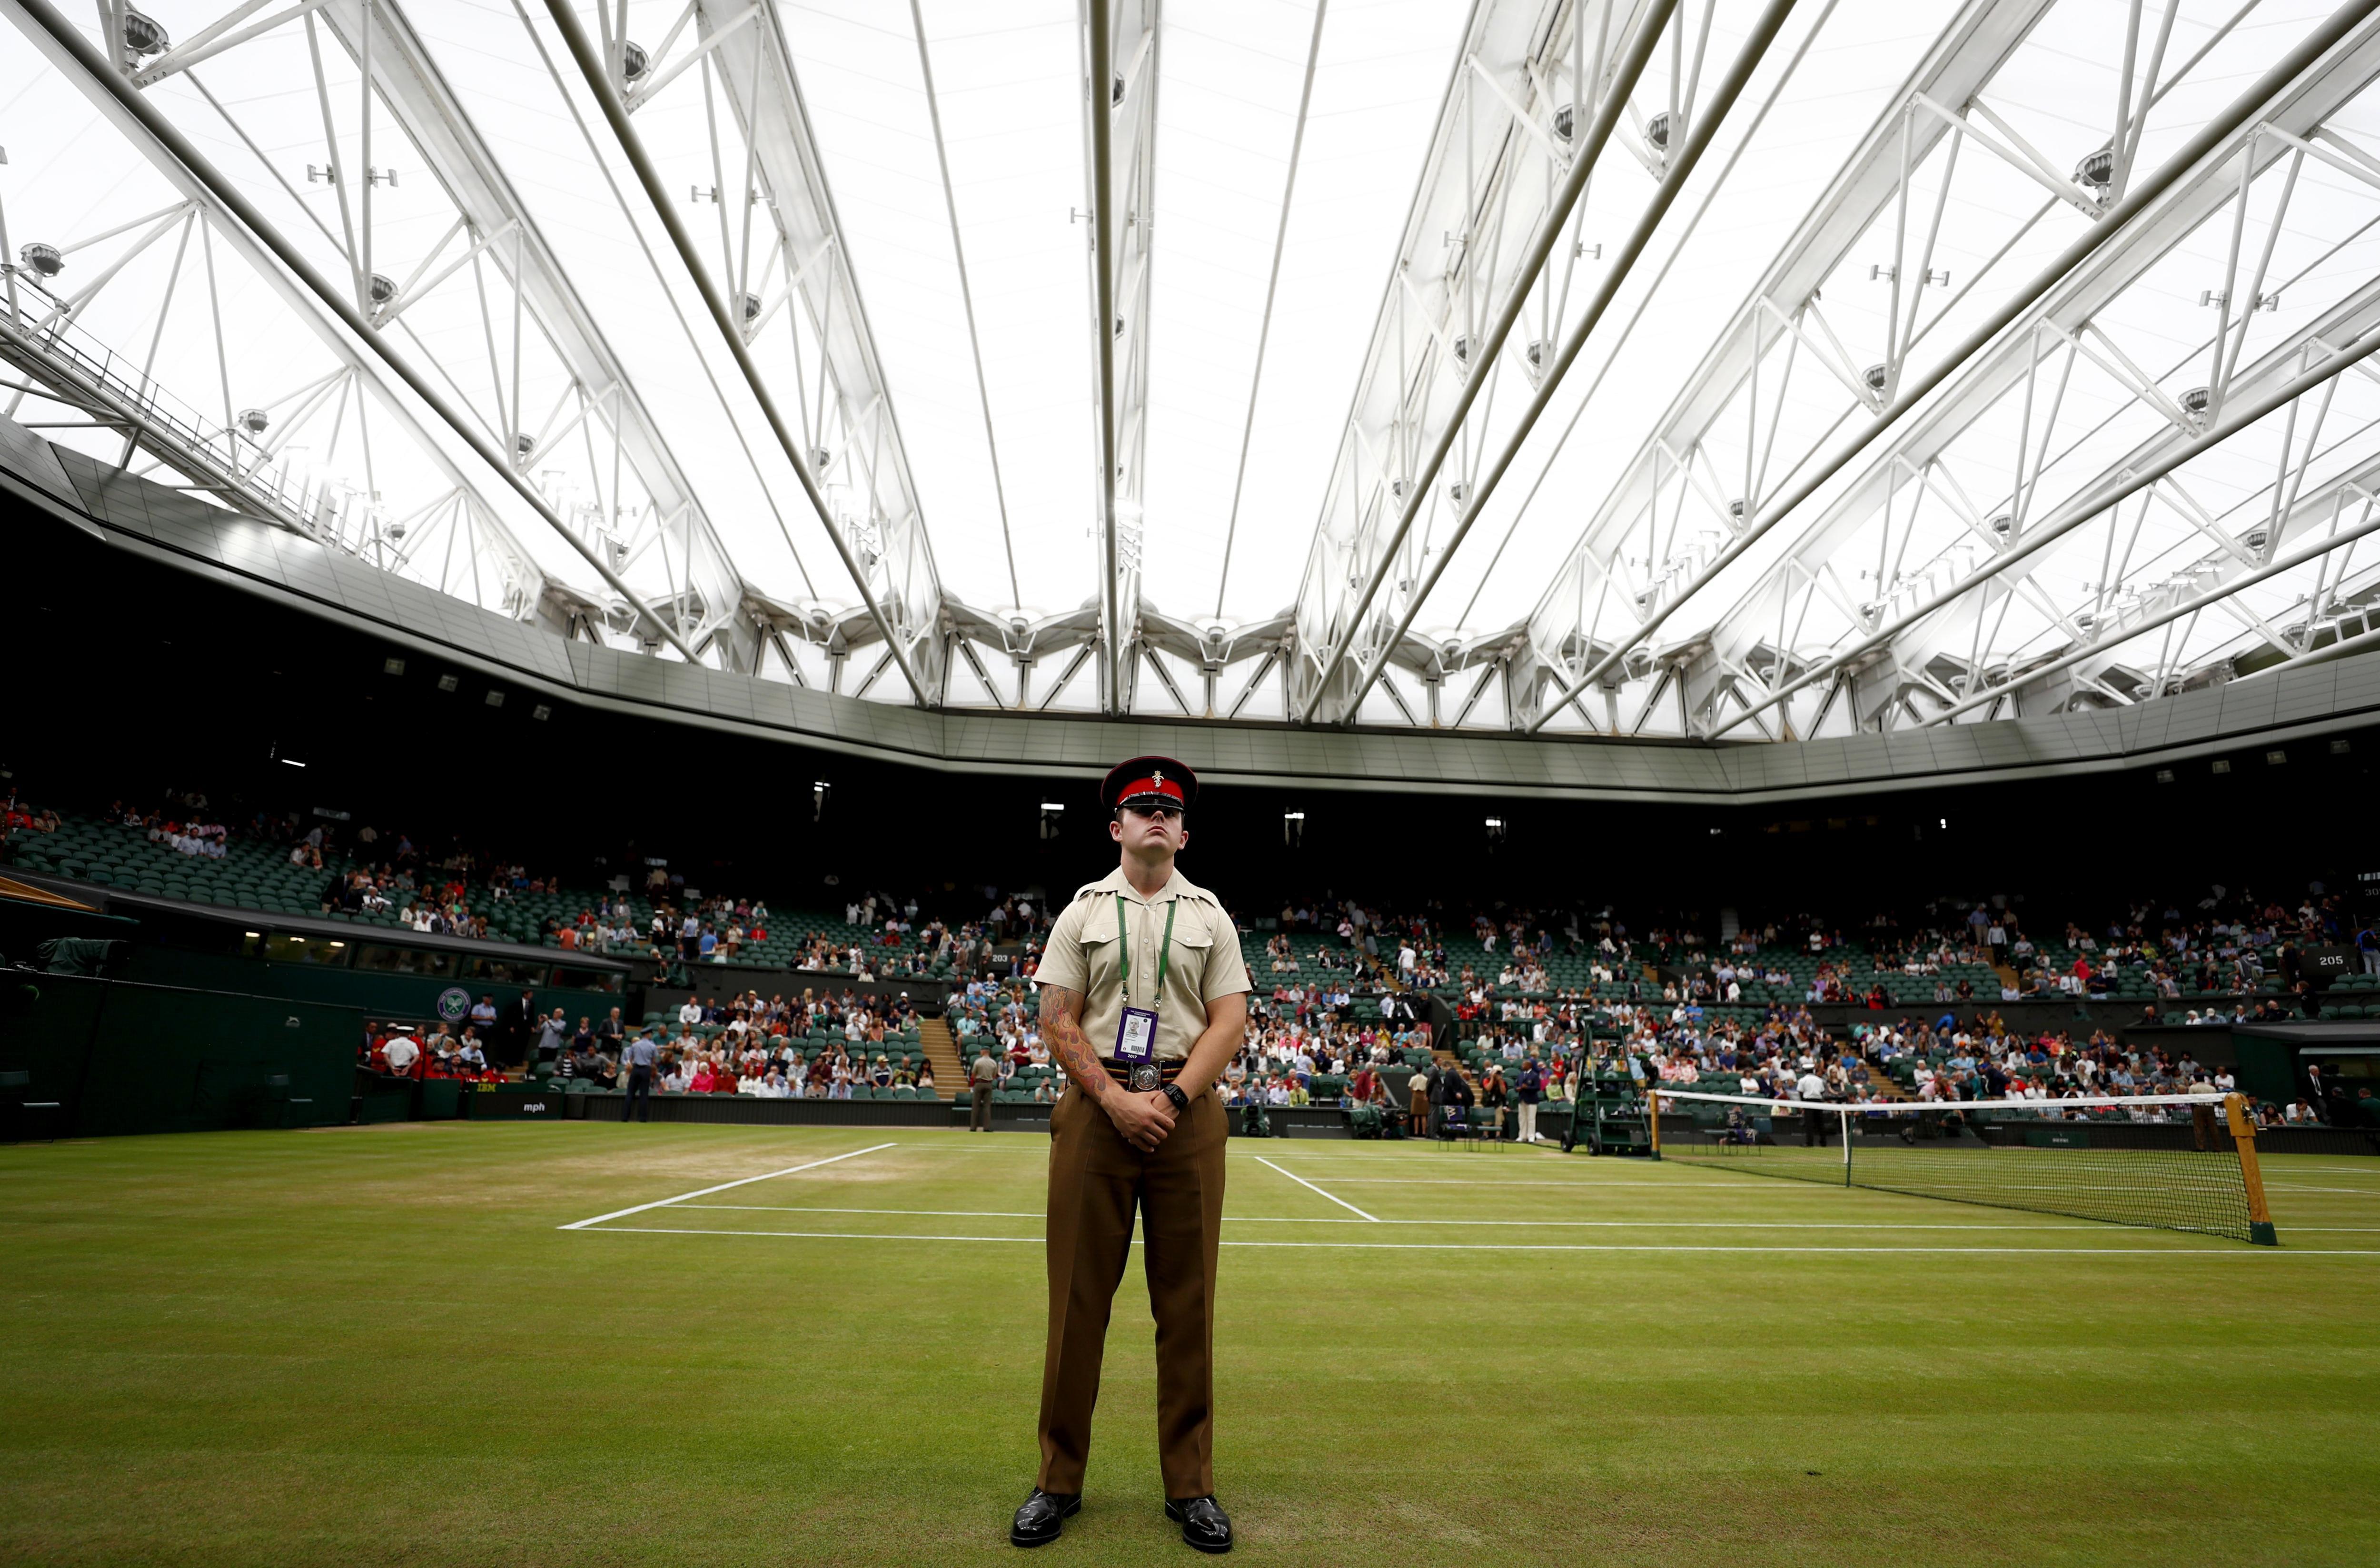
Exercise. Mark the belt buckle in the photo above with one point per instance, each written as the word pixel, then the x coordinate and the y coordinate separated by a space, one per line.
pixel 1146 1076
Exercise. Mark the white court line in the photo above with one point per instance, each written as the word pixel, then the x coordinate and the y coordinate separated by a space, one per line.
pixel 927 1213
pixel 2178 1251
pixel 1589 1186
pixel 2351 1192
pixel 748 1181
pixel 1465 1223
pixel 1301 1181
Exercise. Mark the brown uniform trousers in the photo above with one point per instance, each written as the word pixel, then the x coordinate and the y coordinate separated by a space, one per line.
pixel 1096 1181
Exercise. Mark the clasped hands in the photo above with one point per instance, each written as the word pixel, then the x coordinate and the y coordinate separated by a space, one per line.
pixel 1144 1119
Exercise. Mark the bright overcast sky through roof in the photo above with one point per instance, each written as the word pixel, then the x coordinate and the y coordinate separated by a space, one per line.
pixel 1976 359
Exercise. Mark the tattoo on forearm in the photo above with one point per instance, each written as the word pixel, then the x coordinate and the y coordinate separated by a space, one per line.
pixel 1061 1029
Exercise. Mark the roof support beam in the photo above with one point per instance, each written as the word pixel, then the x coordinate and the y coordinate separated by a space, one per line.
pixel 181 161
pixel 902 637
pixel 1120 105
pixel 2073 516
pixel 1673 179
pixel 1419 395
pixel 2339 27
pixel 2330 501
pixel 409 83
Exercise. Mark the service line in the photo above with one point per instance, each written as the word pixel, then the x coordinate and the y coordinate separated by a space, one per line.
pixel 1301 1181
pixel 706 1192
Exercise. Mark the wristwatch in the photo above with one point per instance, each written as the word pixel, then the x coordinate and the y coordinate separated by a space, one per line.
pixel 1181 1101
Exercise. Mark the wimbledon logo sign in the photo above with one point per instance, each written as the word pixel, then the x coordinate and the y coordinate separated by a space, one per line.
pixel 453 1003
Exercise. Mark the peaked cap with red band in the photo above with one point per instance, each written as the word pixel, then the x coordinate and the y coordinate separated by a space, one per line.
pixel 1159 777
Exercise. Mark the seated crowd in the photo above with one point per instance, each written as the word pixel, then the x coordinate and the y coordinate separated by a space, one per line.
pixel 1341 981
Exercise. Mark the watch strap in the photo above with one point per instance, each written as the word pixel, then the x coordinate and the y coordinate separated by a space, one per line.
pixel 1181 1101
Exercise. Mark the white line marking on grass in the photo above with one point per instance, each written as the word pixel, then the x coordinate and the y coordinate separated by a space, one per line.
pixel 1589 1186
pixel 2176 1251
pixel 2351 1192
pixel 1465 1223
pixel 1301 1181
pixel 928 1213
pixel 803 1235
pixel 748 1181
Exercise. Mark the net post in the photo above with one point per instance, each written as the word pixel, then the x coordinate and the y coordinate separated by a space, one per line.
pixel 1653 1119
pixel 2243 1135
pixel 1843 1115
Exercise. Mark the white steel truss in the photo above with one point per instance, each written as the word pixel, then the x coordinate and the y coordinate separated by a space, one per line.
pixel 1476 300
pixel 1750 440
pixel 2059 411
pixel 781 284
pixel 2046 399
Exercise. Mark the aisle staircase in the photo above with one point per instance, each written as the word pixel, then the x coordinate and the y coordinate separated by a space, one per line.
pixel 943 1050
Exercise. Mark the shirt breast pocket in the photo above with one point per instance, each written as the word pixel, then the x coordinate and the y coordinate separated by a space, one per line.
pixel 1193 946
pixel 1100 965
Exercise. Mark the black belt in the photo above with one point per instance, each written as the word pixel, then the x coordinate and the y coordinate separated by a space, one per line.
pixel 1142 1076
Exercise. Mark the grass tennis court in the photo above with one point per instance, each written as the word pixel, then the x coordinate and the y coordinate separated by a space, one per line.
pixel 382 1345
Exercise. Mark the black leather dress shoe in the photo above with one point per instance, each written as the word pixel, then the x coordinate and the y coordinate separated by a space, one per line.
pixel 1204 1523
pixel 1043 1517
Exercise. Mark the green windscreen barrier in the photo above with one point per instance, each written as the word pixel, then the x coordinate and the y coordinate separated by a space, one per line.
pixel 120 1058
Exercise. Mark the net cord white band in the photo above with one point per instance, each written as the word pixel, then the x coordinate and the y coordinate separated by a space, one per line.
pixel 1890 1107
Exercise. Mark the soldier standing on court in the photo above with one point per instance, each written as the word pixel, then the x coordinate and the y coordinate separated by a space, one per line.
pixel 1144 998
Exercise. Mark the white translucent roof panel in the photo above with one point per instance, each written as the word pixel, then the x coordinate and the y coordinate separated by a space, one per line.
pixel 1378 84
pixel 861 81
pixel 991 472
pixel 1009 77
pixel 567 171
pixel 1689 283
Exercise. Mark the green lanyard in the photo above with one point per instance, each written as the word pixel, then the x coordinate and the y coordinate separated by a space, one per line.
pixel 1123 949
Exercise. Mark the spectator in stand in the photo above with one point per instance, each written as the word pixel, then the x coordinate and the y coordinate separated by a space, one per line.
pixel 521 1025
pixel 639 1055
pixel 552 1034
pixel 982 1077
pixel 1492 1098
pixel 1811 1090
pixel 1528 1090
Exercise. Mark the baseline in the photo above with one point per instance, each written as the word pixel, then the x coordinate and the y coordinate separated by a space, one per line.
pixel 1465 1223
pixel 2175 1251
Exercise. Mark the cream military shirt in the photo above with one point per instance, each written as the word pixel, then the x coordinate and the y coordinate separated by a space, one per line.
pixel 1082 956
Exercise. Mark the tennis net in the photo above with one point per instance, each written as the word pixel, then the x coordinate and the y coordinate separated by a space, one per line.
pixel 2178 1163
